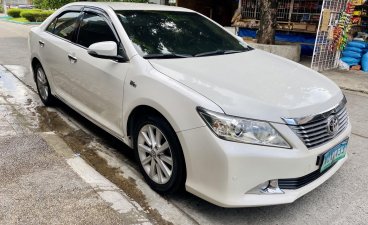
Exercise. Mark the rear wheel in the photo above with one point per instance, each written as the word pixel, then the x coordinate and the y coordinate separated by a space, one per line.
pixel 159 154
pixel 43 86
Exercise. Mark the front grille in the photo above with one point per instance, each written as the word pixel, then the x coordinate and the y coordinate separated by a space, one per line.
pixel 295 183
pixel 315 133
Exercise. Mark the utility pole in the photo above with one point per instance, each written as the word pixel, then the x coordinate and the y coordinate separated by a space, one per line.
pixel 4 6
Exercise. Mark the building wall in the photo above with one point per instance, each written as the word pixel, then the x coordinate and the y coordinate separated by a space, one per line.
pixel 161 2
pixel 18 2
pixel 219 10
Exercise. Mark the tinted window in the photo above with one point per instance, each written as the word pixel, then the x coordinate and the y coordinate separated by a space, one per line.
pixel 169 32
pixel 94 28
pixel 51 26
pixel 66 25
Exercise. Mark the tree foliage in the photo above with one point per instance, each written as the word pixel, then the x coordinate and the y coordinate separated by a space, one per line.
pixel 50 4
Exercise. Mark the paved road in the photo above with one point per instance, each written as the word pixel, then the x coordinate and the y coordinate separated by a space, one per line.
pixel 341 200
pixel 40 176
pixel 14 48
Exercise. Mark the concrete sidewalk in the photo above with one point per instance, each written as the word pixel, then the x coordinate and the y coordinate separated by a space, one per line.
pixel 346 79
pixel 39 187
pixel 349 80
pixel 42 180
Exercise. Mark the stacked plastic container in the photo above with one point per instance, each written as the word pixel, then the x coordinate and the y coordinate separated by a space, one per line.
pixel 356 53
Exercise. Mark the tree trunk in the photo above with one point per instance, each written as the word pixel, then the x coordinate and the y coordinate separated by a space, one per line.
pixel 268 23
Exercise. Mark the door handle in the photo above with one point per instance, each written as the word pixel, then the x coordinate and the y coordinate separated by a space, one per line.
pixel 42 44
pixel 72 59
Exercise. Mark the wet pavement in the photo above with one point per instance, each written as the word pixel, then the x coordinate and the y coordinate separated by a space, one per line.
pixel 14 47
pixel 23 114
pixel 37 187
pixel 341 200
pixel 37 184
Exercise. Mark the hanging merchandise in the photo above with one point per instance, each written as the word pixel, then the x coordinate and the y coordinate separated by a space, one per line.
pixel 342 31
pixel 326 54
pixel 350 8
pixel 337 34
pixel 347 22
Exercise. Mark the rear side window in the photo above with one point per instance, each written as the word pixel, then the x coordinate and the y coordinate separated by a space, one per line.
pixel 66 25
pixel 93 29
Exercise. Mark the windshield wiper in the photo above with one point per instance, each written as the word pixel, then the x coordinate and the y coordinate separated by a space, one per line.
pixel 166 56
pixel 219 52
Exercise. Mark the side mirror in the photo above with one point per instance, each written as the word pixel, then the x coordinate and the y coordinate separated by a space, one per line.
pixel 106 50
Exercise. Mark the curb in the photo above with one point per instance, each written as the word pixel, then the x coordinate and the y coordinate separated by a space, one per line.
pixel 108 191
pixel 7 19
pixel 23 23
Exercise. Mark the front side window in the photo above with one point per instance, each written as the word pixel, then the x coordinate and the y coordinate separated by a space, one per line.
pixel 93 29
pixel 66 25
pixel 51 26
pixel 170 33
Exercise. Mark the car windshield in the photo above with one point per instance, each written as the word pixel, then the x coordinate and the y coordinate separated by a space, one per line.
pixel 172 34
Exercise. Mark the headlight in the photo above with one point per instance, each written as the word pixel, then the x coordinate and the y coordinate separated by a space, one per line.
pixel 242 130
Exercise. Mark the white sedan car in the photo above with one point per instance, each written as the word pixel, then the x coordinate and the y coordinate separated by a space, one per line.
pixel 202 110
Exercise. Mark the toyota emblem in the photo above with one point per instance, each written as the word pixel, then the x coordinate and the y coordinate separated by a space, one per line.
pixel 332 125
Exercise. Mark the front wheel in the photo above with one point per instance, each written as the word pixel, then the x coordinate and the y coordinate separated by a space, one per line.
pixel 159 154
pixel 43 86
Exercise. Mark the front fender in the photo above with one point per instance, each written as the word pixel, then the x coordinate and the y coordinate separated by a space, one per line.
pixel 176 102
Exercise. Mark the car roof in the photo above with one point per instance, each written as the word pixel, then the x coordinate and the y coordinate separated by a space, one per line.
pixel 132 6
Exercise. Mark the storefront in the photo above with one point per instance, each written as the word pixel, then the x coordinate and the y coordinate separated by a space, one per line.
pixel 297 21
pixel 354 45
pixel 219 10
pixel 321 27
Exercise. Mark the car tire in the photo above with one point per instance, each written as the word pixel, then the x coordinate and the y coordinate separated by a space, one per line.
pixel 159 154
pixel 43 86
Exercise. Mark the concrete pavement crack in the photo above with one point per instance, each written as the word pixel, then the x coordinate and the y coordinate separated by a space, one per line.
pixel 354 90
pixel 359 135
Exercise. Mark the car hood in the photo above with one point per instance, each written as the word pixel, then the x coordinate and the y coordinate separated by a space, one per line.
pixel 255 84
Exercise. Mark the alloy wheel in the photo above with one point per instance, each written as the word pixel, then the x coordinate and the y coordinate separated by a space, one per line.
pixel 155 154
pixel 42 84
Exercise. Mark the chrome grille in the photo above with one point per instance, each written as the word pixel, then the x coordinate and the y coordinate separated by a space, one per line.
pixel 313 131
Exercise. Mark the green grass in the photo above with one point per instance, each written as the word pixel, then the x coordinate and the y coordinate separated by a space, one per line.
pixel 20 19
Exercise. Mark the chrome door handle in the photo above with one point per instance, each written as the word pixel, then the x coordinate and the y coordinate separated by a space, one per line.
pixel 72 59
pixel 42 44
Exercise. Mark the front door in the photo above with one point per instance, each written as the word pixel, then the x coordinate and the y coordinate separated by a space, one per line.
pixel 98 83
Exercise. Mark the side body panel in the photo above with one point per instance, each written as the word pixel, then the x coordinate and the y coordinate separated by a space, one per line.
pixel 97 86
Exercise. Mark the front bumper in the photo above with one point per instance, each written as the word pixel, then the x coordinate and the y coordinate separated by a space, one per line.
pixel 222 172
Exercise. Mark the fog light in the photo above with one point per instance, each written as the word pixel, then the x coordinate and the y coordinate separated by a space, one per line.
pixel 273 188
pixel 268 187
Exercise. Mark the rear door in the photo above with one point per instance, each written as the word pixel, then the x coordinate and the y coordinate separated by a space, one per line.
pixel 54 44
pixel 98 83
